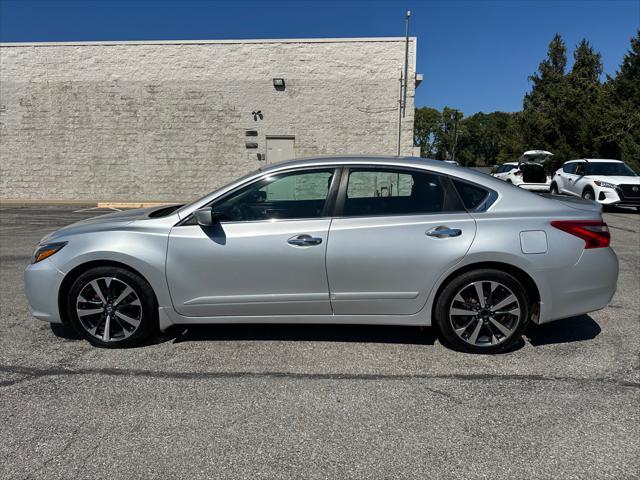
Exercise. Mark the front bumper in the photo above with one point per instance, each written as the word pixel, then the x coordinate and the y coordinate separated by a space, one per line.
pixel 585 287
pixel 42 282
pixel 610 196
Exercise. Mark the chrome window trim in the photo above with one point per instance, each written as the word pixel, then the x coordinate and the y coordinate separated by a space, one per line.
pixel 337 174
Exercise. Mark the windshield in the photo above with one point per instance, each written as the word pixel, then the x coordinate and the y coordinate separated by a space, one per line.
pixel 248 175
pixel 610 169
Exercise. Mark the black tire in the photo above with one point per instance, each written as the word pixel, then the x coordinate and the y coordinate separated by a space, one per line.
pixel 147 309
pixel 589 194
pixel 445 301
pixel 554 189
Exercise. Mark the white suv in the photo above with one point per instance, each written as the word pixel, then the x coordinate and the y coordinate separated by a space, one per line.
pixel 530 175
pixel 609 182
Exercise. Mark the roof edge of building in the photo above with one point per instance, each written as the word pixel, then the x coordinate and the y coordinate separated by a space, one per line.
pixel 206 42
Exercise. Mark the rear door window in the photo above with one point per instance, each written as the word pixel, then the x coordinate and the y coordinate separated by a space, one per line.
pixel 472 195
pixel 373 192
pixel 569 167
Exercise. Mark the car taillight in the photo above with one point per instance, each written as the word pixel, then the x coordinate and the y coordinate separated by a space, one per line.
pixel 517 173
pixel 594 233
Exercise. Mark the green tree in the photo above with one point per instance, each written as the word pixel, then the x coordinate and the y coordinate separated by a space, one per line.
pixel 479 143
pixel 572 114
pixel 543 122
pixel 619 134
pixel 425 130
pixel 448 134
pixel 580 122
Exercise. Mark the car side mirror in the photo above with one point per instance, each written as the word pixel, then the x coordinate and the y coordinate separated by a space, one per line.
pixel 207 216
pixel 204 216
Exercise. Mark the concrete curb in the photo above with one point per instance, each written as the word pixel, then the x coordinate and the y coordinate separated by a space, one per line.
pixel 80 204
pixel 133 204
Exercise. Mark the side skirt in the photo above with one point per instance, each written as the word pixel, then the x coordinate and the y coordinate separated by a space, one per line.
pixel 167 317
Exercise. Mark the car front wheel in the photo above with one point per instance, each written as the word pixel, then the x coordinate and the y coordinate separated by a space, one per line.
pixel 588 194
pixel 482 311
pixel 112 307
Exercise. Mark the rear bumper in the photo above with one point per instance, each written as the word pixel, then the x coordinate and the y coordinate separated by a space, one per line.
pixel 585 287
pixel 41 284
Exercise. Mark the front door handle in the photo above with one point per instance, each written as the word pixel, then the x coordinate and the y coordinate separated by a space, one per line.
pixel 304 240
pixel 444 232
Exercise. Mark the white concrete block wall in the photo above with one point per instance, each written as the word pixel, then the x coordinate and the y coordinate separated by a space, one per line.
pixel 167 121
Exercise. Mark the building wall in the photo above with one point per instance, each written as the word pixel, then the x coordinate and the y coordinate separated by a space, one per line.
pixel 167 121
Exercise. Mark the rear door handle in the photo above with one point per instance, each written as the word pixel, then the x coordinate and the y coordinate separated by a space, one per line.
pixel 304 240
pixel 444 232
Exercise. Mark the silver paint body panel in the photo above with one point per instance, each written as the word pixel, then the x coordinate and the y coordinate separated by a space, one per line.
pixel 381 270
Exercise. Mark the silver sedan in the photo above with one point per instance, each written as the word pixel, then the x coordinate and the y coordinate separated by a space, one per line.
pixel 339 240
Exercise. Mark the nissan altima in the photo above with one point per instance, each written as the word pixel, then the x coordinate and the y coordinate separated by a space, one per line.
pixel 333 240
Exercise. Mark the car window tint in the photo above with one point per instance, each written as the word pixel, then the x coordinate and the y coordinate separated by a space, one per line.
pixel 287 196
pixel 609 169
pixel 569 167
pixel 472 195
pixel 393 192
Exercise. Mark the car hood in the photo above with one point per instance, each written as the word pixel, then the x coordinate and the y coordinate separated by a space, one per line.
pixel 101 223
pixel 617 180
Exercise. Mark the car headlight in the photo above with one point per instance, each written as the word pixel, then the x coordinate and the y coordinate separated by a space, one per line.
pixel 605 184
pixel 46 250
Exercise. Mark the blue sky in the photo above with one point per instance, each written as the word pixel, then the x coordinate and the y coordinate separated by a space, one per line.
pixel 475 55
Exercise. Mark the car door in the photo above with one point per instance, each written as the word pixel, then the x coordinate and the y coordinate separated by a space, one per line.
pixel 582 179
pixel 509 171
pixel 265 257
pixel 503 172
pixel 573 178
pixel 498 171
pixel 564 177
pixel 395 232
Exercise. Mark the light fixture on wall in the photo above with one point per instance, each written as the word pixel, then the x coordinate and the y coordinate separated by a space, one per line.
pixel 278 83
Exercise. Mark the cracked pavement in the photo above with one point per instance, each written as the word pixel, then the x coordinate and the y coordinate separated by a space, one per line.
pixel 278 401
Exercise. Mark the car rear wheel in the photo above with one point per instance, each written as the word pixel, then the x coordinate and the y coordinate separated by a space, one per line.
pixel 482 311
pixel 112 307
pixel 554 189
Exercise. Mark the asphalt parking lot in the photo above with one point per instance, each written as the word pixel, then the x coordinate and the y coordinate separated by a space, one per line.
pixel 317 401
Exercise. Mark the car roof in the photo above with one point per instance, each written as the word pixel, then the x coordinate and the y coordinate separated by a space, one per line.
pixel 360 159
pixel 594 160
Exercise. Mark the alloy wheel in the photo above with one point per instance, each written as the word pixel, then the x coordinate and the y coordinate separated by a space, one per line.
pixel 109 309
pixel 484 313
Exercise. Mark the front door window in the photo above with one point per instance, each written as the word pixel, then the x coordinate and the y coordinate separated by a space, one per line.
pixel 287 196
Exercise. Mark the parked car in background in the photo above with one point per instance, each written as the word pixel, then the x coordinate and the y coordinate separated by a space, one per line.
pixel 354 240
pixel 609 182
pixel 529 172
